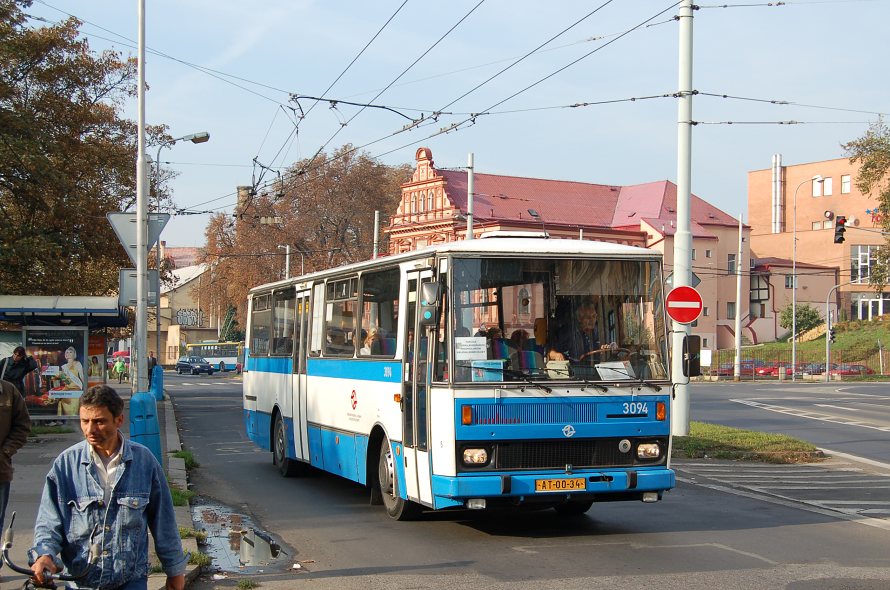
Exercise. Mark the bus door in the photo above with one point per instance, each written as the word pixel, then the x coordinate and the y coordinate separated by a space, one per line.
pixel 301 333
pixel 415 395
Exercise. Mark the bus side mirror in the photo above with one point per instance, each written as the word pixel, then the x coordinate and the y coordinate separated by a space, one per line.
pixel 429 304
pixel 692 356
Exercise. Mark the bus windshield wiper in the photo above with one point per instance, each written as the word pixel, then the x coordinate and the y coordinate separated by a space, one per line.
pixel 505 371
pixel 527 379
pixel 568 373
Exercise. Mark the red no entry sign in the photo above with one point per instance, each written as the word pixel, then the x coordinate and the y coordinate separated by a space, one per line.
pixel 684 304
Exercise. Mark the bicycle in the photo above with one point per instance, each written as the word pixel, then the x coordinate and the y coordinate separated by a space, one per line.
pixel 49 579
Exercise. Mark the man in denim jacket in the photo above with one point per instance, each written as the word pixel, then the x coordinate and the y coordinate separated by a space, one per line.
pixel 109 491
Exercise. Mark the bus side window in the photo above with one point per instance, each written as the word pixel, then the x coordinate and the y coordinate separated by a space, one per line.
pixel 260 325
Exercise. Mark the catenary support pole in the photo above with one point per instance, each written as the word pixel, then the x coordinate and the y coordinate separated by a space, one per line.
pixel 138 357
pixel 683 237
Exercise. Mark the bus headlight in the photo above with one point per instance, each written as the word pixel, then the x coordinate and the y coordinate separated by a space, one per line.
pixel 475 456
pixel 648 451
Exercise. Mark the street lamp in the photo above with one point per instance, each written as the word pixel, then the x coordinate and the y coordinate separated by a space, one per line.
pixel 200 137
pixel 287 260
pixel 816 178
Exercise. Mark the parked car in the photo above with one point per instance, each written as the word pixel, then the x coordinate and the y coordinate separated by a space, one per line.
pixel 746 368
pixel 193 365
pixel 845 369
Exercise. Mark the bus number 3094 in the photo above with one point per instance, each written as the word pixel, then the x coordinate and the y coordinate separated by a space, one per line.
pixel 636 408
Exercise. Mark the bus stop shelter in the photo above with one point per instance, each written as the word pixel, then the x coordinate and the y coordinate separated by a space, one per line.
pixel 66 336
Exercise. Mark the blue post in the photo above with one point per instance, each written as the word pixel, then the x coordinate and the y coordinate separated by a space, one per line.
pixel 144 427
pixel 157 382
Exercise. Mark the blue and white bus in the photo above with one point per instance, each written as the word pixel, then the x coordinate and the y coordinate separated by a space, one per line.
pixel 443 377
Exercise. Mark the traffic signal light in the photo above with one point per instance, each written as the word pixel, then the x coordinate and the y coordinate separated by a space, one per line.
pixel 840 226
pixel 831 334
pixel 692 356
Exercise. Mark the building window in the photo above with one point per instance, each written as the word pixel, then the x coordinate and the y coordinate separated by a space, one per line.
pixel 704 342
pixel 790 280
pixel 705 311
pixel 817 225
pixel 429 201
pixel 730 263
pixel 730 310
pixel 845 184
pixel 817 188
pixel 862 260
pixel 707 253
pixel 827 224
pixel 827 186
pixel 693 253
pixel 413 203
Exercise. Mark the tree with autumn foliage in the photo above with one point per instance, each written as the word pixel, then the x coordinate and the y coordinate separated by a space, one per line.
pixel 323 208
pixel 872 153
pixel 67 157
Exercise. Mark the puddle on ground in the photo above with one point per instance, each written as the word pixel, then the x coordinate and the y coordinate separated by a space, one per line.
pixel 234 543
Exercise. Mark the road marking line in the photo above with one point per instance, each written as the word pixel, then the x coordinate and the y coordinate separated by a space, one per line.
pixel 797 504
pixel 855 458
pixel 810 415
pixel 836 407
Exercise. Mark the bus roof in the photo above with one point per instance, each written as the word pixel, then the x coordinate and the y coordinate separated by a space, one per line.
pixel 493 245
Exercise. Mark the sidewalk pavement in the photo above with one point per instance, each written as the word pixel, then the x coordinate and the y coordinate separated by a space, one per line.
pixel 33 461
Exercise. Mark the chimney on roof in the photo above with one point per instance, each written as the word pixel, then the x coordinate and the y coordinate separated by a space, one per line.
pixel 243 198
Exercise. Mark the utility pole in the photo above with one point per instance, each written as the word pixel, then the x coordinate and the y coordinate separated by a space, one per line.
pixel 470 188
pixel 683 237
pixel 376 233
pixel 140 362
pixel 737 365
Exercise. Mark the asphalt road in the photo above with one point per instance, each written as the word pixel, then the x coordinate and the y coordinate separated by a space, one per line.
pixel 708 532
pixel 851 418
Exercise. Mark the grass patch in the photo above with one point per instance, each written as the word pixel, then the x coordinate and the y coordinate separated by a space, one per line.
pixel 722 442
pixel 156 568
pixel 245 584
pixel 188 457
pixel 38 430
pixel 181 497
pixel 199 536
pixel 200 559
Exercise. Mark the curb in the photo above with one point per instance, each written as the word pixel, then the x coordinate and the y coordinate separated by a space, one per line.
pixel 177 476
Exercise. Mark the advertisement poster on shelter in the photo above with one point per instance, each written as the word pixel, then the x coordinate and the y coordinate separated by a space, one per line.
pixel 59 352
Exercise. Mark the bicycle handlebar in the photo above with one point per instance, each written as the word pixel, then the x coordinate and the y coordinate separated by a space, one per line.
pixel 47 575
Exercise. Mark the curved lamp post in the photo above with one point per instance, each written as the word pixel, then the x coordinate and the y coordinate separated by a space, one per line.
pixel 814 179
pixel 199 137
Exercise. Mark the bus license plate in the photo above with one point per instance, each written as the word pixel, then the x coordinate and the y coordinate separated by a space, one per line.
pixel 559 485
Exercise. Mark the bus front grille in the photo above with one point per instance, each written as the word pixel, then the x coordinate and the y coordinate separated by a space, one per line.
pixel 556 454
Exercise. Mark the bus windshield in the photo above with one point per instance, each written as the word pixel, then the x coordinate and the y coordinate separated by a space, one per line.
pixel 550 319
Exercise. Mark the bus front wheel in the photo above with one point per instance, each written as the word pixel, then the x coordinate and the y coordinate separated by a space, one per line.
pixel 286 467
pixel 573 507
pixel 397 507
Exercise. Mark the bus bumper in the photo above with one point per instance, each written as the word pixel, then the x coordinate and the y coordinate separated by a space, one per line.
pixel 514 489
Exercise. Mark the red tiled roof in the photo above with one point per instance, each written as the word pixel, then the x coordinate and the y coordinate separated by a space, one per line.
pixel 580 203
pixel 770 261
pixel 556 201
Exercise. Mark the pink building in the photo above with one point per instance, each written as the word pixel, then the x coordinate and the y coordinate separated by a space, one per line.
pixel 773 196
pixel 434 209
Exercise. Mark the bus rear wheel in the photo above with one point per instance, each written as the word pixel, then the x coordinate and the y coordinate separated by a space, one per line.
pixel 286 467
pixel 397 507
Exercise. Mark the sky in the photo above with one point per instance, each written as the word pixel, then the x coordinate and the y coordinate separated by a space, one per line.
pixel 233 68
